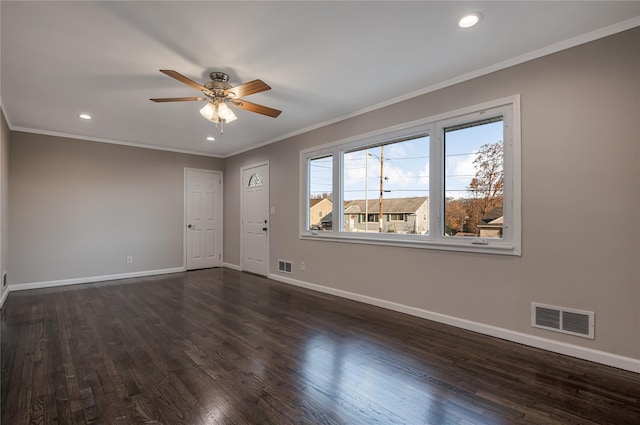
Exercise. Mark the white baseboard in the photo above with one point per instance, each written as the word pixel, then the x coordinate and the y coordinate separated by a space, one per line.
pixel 90 279
pixel 602 357
pixel 232 266
pixel 5 294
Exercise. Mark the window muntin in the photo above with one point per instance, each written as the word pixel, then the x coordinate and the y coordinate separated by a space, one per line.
pixel 505 238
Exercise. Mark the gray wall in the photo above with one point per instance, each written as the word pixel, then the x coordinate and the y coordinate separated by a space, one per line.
pixel 4 194
pixel 78 208
pixel 4 197
pixel 580 191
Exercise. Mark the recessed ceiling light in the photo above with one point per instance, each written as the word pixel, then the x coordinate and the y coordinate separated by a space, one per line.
pixel 85 116
pixel 469 20
pixel 211 139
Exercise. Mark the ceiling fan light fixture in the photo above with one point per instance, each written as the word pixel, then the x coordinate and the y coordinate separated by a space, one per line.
pixel 225 113
pixel 208 111
pixel 218 112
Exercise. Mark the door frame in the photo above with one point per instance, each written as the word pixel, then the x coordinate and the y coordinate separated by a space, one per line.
pixel 185 218
pixel 268 257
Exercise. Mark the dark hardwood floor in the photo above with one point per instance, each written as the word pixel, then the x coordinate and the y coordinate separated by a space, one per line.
pixel 223 347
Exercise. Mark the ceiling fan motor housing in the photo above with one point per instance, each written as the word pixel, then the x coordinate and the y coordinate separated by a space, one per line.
pixel 219 76
pixel 218 84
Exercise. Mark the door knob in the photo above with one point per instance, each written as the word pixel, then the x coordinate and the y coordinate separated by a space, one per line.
pixel 264 228
pixel 189 226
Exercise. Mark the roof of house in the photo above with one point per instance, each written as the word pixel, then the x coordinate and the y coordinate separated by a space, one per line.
pixel 316 201
pixel 498 222
pixel 495 213
pixel 391 205
pixel 327 218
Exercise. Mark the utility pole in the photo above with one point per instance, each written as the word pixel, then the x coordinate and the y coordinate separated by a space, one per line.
pixel 366 191
pixel 380 223
pixel 380 199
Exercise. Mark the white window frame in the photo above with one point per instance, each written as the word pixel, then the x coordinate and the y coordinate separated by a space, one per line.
pixel 509 244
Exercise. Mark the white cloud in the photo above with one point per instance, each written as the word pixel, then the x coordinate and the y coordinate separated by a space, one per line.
pixel 459 170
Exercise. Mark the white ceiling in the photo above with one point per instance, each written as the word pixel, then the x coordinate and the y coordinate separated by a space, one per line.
pixel 324 60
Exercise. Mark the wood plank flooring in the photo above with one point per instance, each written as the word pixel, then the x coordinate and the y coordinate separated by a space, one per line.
pixel 223 347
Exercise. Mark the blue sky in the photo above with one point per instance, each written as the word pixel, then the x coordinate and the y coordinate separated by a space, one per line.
pixel 406 166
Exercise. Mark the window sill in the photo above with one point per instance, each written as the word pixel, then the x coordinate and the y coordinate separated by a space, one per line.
pixel 499 248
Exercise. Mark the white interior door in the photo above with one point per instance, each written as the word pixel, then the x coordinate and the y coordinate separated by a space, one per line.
pixel 255 215
pixel 203 204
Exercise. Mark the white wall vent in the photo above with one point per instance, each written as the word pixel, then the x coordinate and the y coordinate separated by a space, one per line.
pixel 562 319
pixel 284 266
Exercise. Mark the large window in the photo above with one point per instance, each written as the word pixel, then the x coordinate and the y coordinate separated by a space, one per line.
pixel 446 182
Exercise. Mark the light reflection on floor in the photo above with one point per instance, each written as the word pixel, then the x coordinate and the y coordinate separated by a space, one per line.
pixel 350 372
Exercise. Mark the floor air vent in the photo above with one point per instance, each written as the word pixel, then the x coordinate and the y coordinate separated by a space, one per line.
pixel 284 266
pixel 565 320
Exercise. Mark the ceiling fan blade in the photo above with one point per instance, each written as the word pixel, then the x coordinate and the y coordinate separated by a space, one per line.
pixel 185 80
pixel 177 99
pixel 254 107
pixel 252 87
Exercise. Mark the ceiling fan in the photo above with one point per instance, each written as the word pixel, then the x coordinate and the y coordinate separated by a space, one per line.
pixel 219 94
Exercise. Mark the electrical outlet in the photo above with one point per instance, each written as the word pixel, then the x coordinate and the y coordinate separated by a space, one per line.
pixel 129 259
pixel 302 265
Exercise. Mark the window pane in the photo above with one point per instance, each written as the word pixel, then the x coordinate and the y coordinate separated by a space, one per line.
pixel 474 179
pixel 255 181
pixel 320 193
pixel 384 184
pixel 397 217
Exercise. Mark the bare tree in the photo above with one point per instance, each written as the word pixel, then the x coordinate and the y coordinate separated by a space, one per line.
pixel 487 187
pixel 323 195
